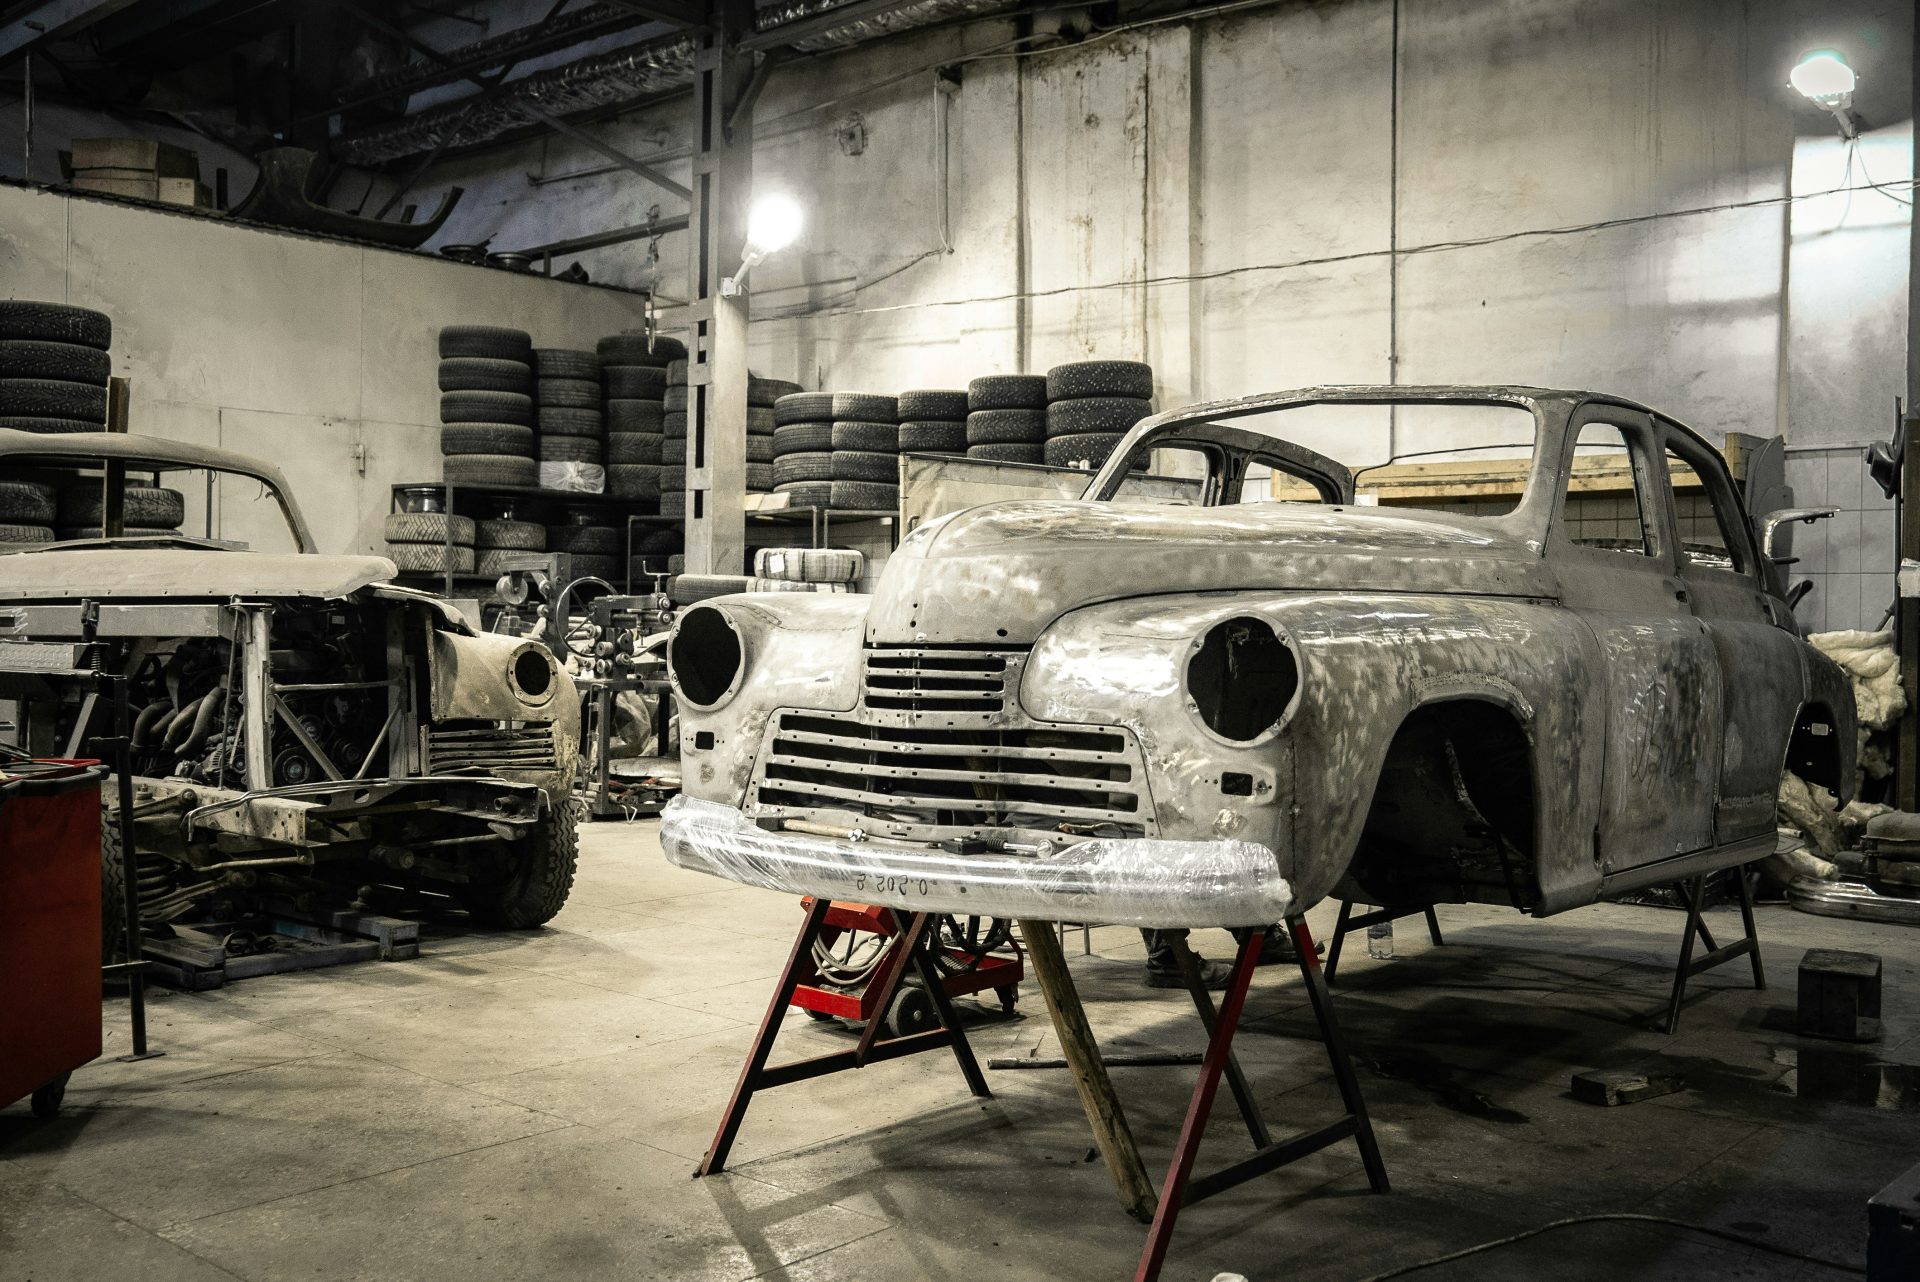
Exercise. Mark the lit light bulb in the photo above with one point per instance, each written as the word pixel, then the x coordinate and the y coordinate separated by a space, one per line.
pixel 774 223
pixel 1824 78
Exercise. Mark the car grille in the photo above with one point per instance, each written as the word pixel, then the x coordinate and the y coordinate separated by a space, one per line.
pixel 1082 779
pixel 938 679
pixel 490 747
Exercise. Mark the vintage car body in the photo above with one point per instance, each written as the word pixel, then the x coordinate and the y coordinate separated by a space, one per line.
pixel 1219 715
pixel 293 716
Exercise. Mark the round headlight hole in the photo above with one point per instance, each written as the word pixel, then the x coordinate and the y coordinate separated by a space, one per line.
pixel 1242 678
pixel 532 673
pixel 704 655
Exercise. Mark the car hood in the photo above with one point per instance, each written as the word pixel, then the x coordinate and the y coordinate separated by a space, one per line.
pixel 109 572
pixel 1001 573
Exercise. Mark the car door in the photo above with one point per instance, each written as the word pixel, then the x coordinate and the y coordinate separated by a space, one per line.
pixel 1656 684
pixel 1759 654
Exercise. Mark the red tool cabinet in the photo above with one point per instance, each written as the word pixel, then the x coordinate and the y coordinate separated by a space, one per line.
pixel 49 927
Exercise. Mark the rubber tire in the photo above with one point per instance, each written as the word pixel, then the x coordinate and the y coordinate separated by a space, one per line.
pixel 674 399
pixel 759 449
pixel 674 451
pixel 660 541
pixel 486 438
pixel 1007 392
pixel 789 468
pixel 933 437
pixel 762 393
pixel 484 470
pixel 677 371
pixel 44 425
pixel 629 349
pixel 31 321
pixel 809 565
pixel 568 394
pixel 865 496
pixel 113 892
pixel 27 503
pixel 480 374
pixel 143 507
pixel 429 558
pixel 626 415
pixel 509 536
pixel 487 407
pixel 806 493
pixel 673 425
pixel 1009 452
pixel 66 362
pixel 1007 427
pixel 635 382
pixel 53 398
pixel 802 438
pixel 688 588
pixel 637 481
pixel 14 537
pixel 494 562
pixel 1078 379
pixel 566 362
pixel 429 527
pixel 760 420
pixel 849 434
pixel 866 407
pixel 932 404
pixel 803 407
pixel 677 563
pixel 560 420
pixel 1095 414
pixel 1082 449
pixel 635 447
pixel 570 449
pixel 759 478
pixel 866 465
pixel 592 540
pixel 673 501
pixel 489 342
pixel 537 889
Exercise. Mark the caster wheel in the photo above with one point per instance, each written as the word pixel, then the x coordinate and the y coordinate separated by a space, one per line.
pixel 818 1016
pixel 912 1012
pixel 46 1100
pixel 1008 996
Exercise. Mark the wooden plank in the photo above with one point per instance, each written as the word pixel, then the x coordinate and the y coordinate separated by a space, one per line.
pixel 1111 1135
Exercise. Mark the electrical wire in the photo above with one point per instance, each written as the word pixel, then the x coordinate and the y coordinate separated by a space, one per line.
pixel 1605 1217
pixel 1879 187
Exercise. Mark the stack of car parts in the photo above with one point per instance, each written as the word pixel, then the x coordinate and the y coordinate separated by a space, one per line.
pixel 54 365
pixel 486 406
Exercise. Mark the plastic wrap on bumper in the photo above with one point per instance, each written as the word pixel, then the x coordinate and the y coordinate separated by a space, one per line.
pixel 1140 882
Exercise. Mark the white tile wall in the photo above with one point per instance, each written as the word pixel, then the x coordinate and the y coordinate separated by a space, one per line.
pixel 1850 557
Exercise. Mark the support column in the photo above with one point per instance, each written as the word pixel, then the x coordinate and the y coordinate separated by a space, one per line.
pixel 717 337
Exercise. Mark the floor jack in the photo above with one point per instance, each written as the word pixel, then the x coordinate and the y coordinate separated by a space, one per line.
pixel 855 937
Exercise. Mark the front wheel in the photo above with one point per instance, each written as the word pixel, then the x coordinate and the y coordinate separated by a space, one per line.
pixel 537 880
pixel 47 1100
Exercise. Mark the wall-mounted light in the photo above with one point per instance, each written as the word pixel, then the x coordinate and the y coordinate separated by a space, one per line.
pixel 773 223
pixel 1823 78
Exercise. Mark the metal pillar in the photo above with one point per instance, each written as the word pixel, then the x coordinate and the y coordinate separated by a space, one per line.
pixel 717 325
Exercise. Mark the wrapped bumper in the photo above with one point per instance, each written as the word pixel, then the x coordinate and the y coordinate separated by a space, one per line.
pixel 1139 882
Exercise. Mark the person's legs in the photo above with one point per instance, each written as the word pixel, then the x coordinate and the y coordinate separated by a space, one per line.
pixel 1163 963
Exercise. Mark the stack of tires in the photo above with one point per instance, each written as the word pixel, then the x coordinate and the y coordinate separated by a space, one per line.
pixel 634 377
pixel 1007 418
pixel 594 546
pixel 656 552
pixel 418 542
pixel 569 399
pixel 501 541
pixel 673 446
pixel 762 395
pixel 806 570
pixel 1090 406
pixel 144 508
pixel 486 406
pixel 933 422
pixel 761 422
pixel 802 448
pixel 866 452
pixel 53 367
pixel 26 514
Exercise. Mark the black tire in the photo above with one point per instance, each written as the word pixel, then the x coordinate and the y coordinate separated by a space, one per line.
pixel 1082 449
pixel 789 468
pixel 1100 378
pixel 688 588
pixel 659 541
pixel 46 1100
pixel 536 886
pixel 635 447
pixel 933 436
pixel 677 563
pixel 759 478
pixel 625 415
pixel 67 362
pixel 677 371
pixel 52 398
pixel 485 470
pixel 637 481
pixel 486 438
pixel 635 382
pixel 804 407
pixel 494 562
pixel 849 434
pixel 54 323
pixel 669 348
pixel 143 507
pixel 18 424
pixel 429 558
pixel 802 438
pixel 1095 414
pixel 1007 392
pixel 481 374
pixel 509 536
pixel 489 342
pixel 911 1012
pixel 673 424
pixel 487 407
pixel 560 420
pixel 429 527
pixel 27 503
pixel 628 349
pixel 1009 452
pixel 866 465
pixel 14 537
pixel 592 540
pixel 571 449
pixel 674 451
pixel 568 394
pixel 674 399
pixel 864 496
pixel 806 493
pixel 565 362
pixel 673 501
pixel 760 420
pixel 764 392
pixel 113 892
pixel 866 407
pixel 1007 427
pixel 759 449
pixel 932 404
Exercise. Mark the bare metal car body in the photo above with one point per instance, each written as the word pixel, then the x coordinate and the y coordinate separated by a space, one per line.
pixel 291 713
pixel 1461 707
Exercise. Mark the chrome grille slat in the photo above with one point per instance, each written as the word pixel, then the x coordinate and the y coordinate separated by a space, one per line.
pixel 884 802
pixel 1071 783
pixel 918 679
pixel 490 748
pixel 889 746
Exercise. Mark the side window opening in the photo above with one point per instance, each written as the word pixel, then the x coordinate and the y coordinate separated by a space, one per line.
pixel 1705 526
pixel 1603 506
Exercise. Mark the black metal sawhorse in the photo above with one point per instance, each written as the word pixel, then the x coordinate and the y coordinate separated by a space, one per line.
pixel 1348 923
pixel 1693 896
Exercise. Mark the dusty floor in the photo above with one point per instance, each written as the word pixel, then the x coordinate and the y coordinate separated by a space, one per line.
pixel 531 1106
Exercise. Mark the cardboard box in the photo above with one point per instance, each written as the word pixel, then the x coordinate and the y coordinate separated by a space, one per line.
pixel 156 159
pixel 184 191
pixel 138 188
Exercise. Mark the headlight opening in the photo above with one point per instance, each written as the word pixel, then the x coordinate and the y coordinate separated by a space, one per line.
pixel 1242 679
pixel 705 656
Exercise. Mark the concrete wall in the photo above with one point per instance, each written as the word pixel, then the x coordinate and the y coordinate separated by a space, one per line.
pixel 317 356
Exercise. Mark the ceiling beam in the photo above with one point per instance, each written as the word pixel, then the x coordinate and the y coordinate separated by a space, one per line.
pixel 827 20
pixel 54 20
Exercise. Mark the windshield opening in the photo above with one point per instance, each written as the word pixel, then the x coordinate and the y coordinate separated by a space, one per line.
pixel 161 501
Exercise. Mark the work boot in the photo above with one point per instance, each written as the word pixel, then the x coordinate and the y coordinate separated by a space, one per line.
pixel 1279 947
pixel 1213 974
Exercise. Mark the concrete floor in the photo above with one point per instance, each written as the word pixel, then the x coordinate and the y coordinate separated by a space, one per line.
pixel 531 1106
